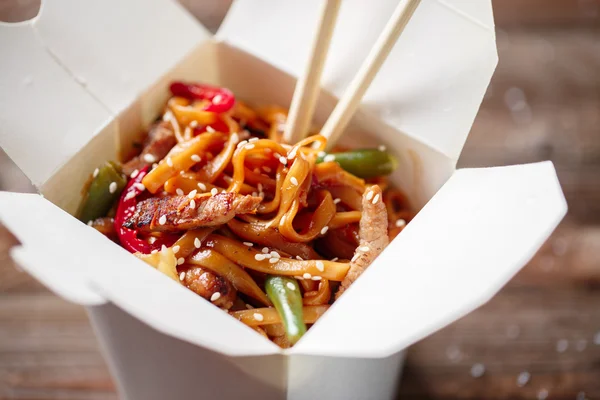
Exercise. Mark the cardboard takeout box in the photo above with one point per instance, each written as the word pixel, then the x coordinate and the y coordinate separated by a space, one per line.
pixel 84 78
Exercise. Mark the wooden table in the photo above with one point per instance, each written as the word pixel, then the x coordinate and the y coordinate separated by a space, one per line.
pixel 544 326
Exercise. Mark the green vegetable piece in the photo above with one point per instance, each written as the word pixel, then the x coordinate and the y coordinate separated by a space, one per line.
pixel 364 163
pixel 285 295
pixel 102 193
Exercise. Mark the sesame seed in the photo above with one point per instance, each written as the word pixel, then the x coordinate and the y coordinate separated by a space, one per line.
pixel 197 243
pixel 139 186
pixel 477 370
pixel 266 169
pixel 265 250
pixel 162 220
pixel 283 160
pixel 329 157
pixel 259 187
pixel 299 278
pixel 337 201
pixel 274 260
pixel 202 186
pixel 176 249
pixel 112 187
pixel 355 257
pixel 254 194
pixel 192 194
pixel 523 378
pixel 242 144
pixel 163 248
pixel 130 195
pixel 217 99
pixel 542 394
pixel 154 251
pixel 215 296
pixel 294 181
pixel 324 230
pixel 179 191
pixel 320 266
pixel 290 286
pixel 381 148
pixel 259 257
pixel 562 345
pixel 156 165
pixel 400 223
pixel 134 174
pixel 249 146
pixel 214 191
pixel 258 317
pixel 254 139
pixel 193 124
pixel 90 223
pixel 275 254
pixel 334 259
pixel 299 258
pixel 248 244
pixel 95 174
pixel 151 240
pixel 180 260
pixel 235 137
pixel 376 198
pixel 316 278
pixel 181 275
pixel 169 162
pixel 195 158
pixel 193 204
pixel 210 128
pixel 307 275
pixel 369 195
pixel 292 154
pixel 249 307
pixel 321 154
pixel 364 248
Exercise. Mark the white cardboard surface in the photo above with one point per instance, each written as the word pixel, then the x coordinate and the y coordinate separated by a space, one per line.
pixel 464 245
pixel 41 107
pixel 433 81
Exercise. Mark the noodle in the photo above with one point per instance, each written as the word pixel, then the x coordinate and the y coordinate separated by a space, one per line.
pixel 302 224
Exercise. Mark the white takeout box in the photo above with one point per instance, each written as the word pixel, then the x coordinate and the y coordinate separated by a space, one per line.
pixel 84 78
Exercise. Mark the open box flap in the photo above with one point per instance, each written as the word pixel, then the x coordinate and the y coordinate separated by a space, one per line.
pixel 118 48
pixel 49 248
pixel 67 71
pixel 45 116
pixel 432 83
pixel 81 265
pixel 464 245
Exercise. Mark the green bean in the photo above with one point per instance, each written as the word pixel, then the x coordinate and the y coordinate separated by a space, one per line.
pixel 364 163
pixel 102 193
pixel 285 295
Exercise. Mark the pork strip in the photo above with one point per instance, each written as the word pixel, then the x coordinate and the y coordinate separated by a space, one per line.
pixel 158 143
pixel 206 284
pixel 179 215
pixel 373 233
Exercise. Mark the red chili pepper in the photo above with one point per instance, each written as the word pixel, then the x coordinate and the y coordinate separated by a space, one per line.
pixel 221 99
pixel 125 209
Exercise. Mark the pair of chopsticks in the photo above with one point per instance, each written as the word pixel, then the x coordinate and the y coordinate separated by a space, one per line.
pixel 307 88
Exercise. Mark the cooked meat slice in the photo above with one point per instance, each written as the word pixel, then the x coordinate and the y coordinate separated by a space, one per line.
pixel 373 233
pixel 158 143
pixel 175 213
pixel 206 284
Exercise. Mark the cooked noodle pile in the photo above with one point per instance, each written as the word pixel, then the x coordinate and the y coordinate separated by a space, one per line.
pixel 216 201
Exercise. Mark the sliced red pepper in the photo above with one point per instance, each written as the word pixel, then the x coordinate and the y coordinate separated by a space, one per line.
pixel 125 209
pixel 221 99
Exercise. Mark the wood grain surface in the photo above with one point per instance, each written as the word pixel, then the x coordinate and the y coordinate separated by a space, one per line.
pixel 543 103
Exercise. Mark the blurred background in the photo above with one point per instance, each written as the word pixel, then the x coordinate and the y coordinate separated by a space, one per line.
pixel 538 339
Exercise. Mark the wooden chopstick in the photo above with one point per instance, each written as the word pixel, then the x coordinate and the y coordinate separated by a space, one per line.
pixel 344 110
pixel 308 85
